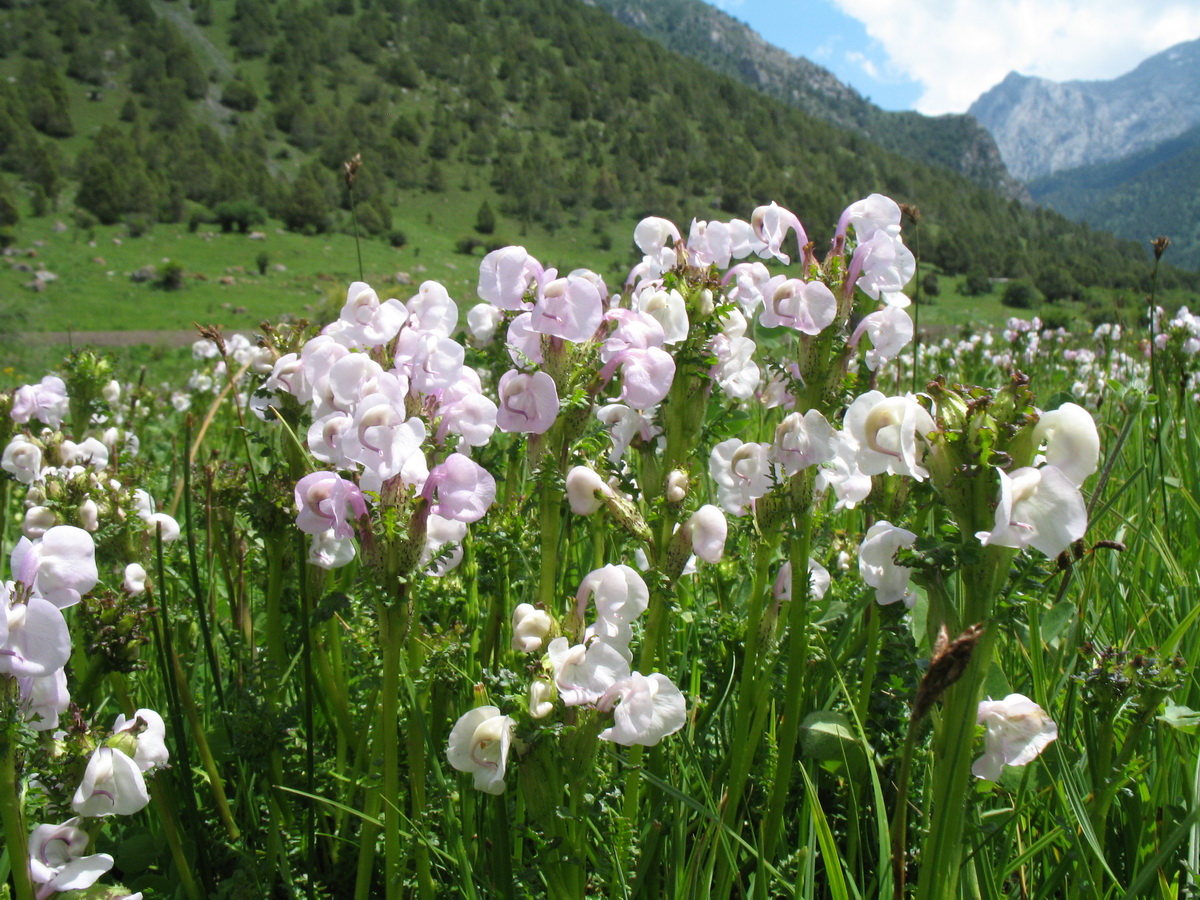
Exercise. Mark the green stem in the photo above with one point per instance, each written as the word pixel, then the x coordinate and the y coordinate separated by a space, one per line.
pixel 162 795
pixel 11 815
pixel 550 521
pixel 941 855
pixel 393 621
pixel 795 693
pixel 373 802
pixel 414 737
pixel 276 643
pixel 751 709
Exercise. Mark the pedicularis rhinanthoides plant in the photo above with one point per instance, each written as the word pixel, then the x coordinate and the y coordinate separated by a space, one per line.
pixel 600 559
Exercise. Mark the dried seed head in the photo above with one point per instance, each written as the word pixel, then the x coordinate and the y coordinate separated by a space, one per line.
pixel 946 665
pixel 351 167
pixel 1160 245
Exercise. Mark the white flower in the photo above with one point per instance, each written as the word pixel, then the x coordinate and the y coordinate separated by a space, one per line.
pixel 1039 508
pixel 22 459
pixel 890 433
pixel 541 699
pixel 38 520
pixel 150 732
pixel 1018 730
pixel 479 743
pixel 112 785
pixel 803 440
pixel 56 858
pixel 650 708
pixel 742 473
pixel 582 674
pixel 877 564
pixel 1072 442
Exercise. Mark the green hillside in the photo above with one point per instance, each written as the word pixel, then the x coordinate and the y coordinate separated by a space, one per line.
pixel 1139 197
pixel 479 123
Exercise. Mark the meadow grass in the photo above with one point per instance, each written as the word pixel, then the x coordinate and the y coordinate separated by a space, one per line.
pixel 797 753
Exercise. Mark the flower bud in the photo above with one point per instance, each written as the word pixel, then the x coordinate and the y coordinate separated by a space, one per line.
pixel 541 699
pixel 135 579
pixel 708 530
pixel 586 490
pixel 530 628
pixel 677 486
pixel 111 392
pixel 89 515
pixel 38 520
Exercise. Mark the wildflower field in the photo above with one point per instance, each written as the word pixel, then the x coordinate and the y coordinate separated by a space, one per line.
pixel 723 581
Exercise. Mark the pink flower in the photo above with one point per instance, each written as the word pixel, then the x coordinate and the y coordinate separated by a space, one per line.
pixel 805 306
pixel 505 276
pixel 771 225
pixel 60 567
pixel 369 322
pixel 323 500
pixel 570 308
pixel 528 402
pixel 646 375
pixel 463 489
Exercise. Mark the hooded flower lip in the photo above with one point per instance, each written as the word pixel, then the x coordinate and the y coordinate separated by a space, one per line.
pixel 1072 442
pixel 646 708
pixel 324 500
pixel 528 402
pixel 479 743
pixel 56 858
pixel 60 567
pixel 877 564
pixel 1039 508
pixel 112 785
pixel 890 433
pixel 1018 730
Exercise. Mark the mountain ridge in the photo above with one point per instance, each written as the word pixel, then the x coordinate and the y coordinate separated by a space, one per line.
pixel 1042 127
pixel 722 42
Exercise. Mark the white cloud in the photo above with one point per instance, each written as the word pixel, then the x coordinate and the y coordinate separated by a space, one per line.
pixel 957 49
pixel 864 62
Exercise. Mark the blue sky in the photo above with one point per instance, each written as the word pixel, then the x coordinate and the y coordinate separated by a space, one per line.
pixel 938 56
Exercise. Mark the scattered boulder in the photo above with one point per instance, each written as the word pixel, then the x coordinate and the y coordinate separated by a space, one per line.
pixel 59 227
pixel 280 267
pixel 39 243
pixel 145 273
pixel 99 260
pixel 117 241
pixel 45 276
pixel 36 285
pixel 402 278
pixel 22 267
pixel 226 280
pixel 257 236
